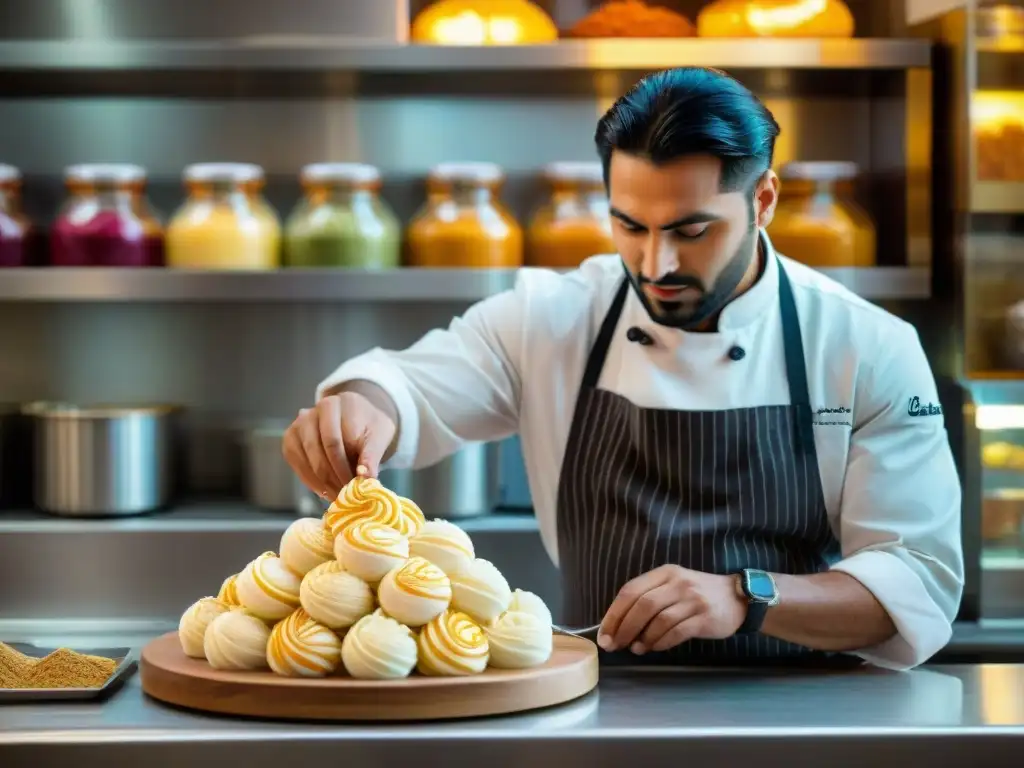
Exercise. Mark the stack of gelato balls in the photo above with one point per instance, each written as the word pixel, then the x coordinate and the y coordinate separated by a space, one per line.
pixel 373 590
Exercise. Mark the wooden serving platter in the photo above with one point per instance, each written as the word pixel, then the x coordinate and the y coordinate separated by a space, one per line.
pixel 169 675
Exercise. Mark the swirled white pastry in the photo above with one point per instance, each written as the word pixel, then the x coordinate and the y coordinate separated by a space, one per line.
pixel 229 591
pixel 445 545
pixel 237 640
pixel 379 648
pixel 364 498
pixel 369 550
pixel 415 592
pixel 452 645
pixel 302 647
pixel 412 517
pixel 335 598
pixel 518 641
pixel 305 545
pixel 527 602
pixel 267 588
pixel 481 591
pixel 193 624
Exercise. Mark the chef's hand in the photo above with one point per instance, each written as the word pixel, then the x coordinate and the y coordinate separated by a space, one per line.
pixel 326 443
pixel 670 605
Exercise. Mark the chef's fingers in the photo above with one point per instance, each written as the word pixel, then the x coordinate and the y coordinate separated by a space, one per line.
pixel 374 445
pixel 628 595
pixel 316 456
pixel 641 613
pixel 682 632
pixel 664 623
pixel 329 417
pixel 295 455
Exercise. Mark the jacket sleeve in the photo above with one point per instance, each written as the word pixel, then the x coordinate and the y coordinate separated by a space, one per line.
pixel 453 386
pixel 899 518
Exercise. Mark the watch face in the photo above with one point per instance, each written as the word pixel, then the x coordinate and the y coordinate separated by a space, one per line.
pixel 760 586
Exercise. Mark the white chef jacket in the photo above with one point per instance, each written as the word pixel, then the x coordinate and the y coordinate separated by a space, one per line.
pixel 513 363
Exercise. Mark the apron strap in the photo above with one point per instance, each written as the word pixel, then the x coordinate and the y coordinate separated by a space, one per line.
pixel 796 366
pixel 599 352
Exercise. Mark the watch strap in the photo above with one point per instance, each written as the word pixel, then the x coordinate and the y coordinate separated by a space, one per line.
pixel 754 620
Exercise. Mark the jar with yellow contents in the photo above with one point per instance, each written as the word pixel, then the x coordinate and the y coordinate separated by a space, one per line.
pixel 574 224
pixel 817 221
pixel 483 22
pixel 225 223
pixel 776 18
pixel 463 223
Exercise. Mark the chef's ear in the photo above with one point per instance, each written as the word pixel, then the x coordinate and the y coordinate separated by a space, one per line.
pixel 766 197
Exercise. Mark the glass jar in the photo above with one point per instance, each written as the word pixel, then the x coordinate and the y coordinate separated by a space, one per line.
pixel 342 221
pixel 775 18
pixel 463 224
pixel 632 18
pixel 483 22
pixel 224 223
pixel 998 117
pixel 817 222
pixel 15 228
pixel 574 223
pixel 107 220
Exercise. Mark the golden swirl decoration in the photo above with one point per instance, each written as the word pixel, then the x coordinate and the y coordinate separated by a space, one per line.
pixel 299 646
pixel 421 578
pixel 452 644
pixel 229 591
pixel 371 536
pixel 284 590
pixel 364 498
pixel 412 517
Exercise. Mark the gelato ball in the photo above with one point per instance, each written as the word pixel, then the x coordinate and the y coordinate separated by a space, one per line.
pixel 519 641
pixel 369 550
pixel 229 591
pixel 415 592
pixel 481 591
pixel 305 545
pixel 267 588
pixel 364 498
pixel 302 647
pixel 193 624
pixel 451 645
pixel 379 648
pixel 527 602
pixel 335 598
pixel 445 545
pixel 237 640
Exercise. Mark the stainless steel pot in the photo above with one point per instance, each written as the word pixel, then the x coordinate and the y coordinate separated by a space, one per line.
pixel 102 461
pixel 463 485
pixel 269 482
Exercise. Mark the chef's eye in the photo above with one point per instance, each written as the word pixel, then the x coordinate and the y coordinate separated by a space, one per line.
pixel 630 227
pixel 691 233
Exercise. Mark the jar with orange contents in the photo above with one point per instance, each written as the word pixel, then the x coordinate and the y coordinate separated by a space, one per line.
pixel 225 223
pixel 776 18
pixel 463 223
pixel 817 222
pixel 574 223
pixel 15 228
pixel 107 220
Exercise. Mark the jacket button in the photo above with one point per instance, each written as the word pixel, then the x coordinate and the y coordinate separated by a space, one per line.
pixel 737 353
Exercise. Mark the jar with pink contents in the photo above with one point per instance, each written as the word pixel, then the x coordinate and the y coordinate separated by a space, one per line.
pixel 107 220
pixel 15 228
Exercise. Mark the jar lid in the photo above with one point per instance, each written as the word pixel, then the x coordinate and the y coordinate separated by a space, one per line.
pixel 352 173
pixel 819 171
pixel 575 172
pixel 472 173
pixel 9 174
pixel 233 173
pixel 111 173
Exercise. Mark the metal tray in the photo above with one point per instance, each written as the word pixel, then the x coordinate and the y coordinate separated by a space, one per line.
pixel 127 663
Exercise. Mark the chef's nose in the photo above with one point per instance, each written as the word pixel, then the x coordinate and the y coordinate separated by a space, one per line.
pixel 660 258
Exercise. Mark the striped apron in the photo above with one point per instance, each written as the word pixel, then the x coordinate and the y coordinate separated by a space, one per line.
pixel 712 491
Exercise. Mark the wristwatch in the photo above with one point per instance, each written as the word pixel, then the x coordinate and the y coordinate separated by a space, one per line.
pixel 758 587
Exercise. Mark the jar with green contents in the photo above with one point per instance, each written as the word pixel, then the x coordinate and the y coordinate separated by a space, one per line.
pixel 342 221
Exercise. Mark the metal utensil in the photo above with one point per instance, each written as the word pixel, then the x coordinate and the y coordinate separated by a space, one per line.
pixel 587 633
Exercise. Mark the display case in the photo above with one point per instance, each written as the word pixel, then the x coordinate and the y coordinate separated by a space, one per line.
pixel 981 61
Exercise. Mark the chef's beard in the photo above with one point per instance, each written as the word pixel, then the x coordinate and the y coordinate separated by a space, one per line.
pixel 689 316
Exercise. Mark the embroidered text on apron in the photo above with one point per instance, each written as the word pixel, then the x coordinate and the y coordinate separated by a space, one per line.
pixel 713 491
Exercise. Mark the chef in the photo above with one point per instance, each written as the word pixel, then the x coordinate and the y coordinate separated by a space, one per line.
pixel 733 459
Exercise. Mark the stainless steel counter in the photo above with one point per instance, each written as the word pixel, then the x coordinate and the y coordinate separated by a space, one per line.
pixel 934 717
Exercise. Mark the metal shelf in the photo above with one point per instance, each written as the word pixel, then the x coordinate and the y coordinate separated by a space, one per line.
pixel 424 285
pixel 997 197
pixel 304 53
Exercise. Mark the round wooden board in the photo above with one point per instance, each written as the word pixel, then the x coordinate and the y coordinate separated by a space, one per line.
pixel 169 675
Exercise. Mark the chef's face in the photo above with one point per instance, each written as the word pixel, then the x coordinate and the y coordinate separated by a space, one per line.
pixel 688 246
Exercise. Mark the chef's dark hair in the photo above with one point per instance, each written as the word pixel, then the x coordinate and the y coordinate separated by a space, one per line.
pixel 691 111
